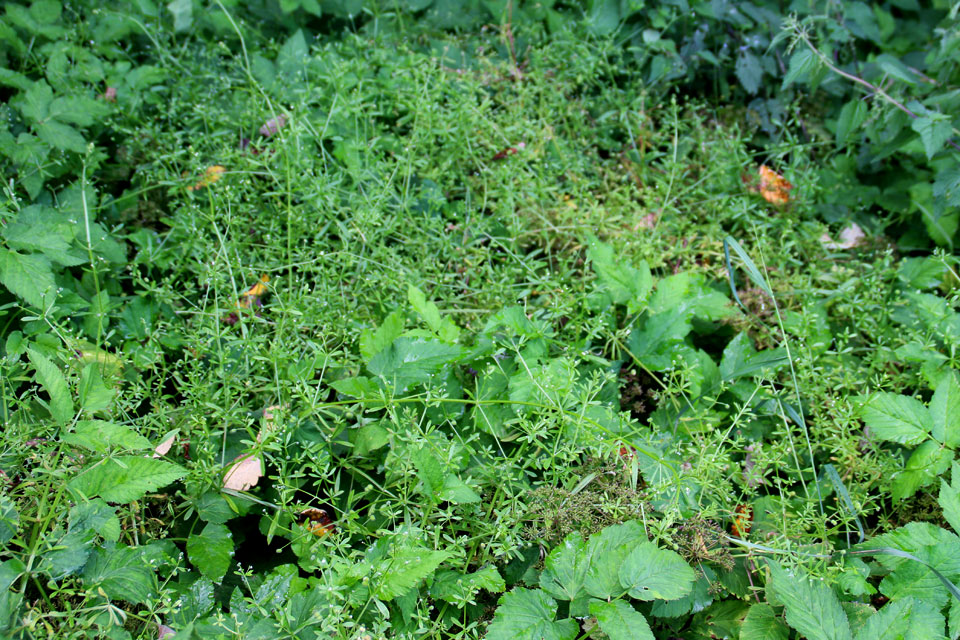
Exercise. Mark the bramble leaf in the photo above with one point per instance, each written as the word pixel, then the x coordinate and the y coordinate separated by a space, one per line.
pixel 27 276
pixel 566 569
pixel 650 573
pixel 945 411
pixel 526 614
pixel 51 379
pixel 620 621
pixel 762 624
pixel 897 418
pixel 906 619
pixel 812 608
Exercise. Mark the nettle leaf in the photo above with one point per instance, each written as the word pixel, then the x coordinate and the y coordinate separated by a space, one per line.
pixel 211 550
pixel 100 436
pixel 125 478
pixel 526 614
pixel 620 621
pixel 812 608
pixel 60 135
pixel 607 551
pixel 945 411
pixel 897 418
pixel 762 623
pixel 405 568
pixel 852 117
pixel 906 619
pixel 565 569
pixel 802 63
pixel 650 573
pixel 28 276
pixel 51 379
pixel 122 573
pixel 749 72
pixel 94 394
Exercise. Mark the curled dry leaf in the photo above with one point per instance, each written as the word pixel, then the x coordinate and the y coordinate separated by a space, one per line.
pixel 850 237
pixel 110 95
pixel 163 631
pixel 273 125
pixel 244 473
pixel 249 299
pixel 162 448
pixel 318 521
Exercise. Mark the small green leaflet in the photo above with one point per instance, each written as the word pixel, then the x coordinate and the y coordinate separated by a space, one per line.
pixel 51 379
pixel 623 283
pixel 526 614
pixel 373 342
pixel 125 478
pixel 950 498
pixel 934 129
pixel 211 550
pixel 620 621
pixel 945 411
pixel 456 588
pixel 812 608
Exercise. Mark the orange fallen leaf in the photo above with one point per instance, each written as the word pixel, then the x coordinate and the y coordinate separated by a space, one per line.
pixel 211 175
pixel 773 187
pixel 318 521
pixel 251 297
pixel 743 517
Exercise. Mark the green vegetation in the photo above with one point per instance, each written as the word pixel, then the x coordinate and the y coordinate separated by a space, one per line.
pixel 460 319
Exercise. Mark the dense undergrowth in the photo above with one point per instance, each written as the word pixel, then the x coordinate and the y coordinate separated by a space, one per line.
pixel 453 319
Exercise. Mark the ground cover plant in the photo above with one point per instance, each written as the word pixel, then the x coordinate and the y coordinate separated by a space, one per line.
pixel 462 319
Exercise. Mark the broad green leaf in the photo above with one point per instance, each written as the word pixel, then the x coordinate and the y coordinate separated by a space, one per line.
pixel 125 478
pixel 456 588
pixel 411 361
pixel 565 569
pixel 945 411
pixel 182 11
pixel 45 11
pixel 9 519
pixel 457 491
pixel 852 116
pixel 934 129
pixel 624 283
pixel 526 614
pixel 660 331
pixel 404 570
pixel 51 379
pixel 357 387
pixel 35 103
pixel 94 394
pixel 762 624
pixel 78 110
pixel 607 551
pixel 912 579
pixel 60 135
pixel 950 498
pixel 370 437
pixel 892 65
pixel 603 16
pixel 620 621
pixel 906 619
pixel 28 276
pixel 897 418
pixel 292 54
pixel 749 72
pixel 802 63
pixel 100 436
pixel 211 550
pixel 121 573
pixel 427 310
pixel 650 573
pixel 372 343
pixel 811 606
pixel 926 462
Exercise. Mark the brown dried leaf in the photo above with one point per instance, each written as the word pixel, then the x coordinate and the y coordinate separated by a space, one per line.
pixel 244 473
